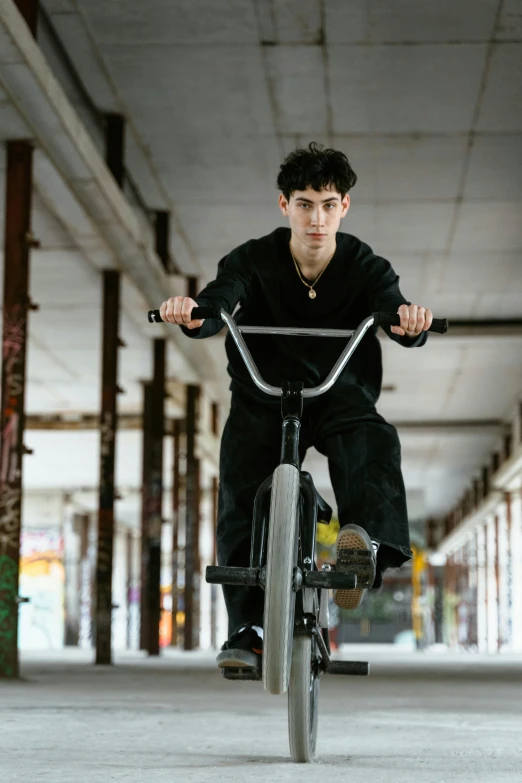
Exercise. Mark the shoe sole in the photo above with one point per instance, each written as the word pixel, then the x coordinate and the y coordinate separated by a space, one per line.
pixel 238 659
pixel 350 539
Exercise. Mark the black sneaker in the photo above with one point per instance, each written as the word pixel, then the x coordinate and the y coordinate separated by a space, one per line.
pixel 243 649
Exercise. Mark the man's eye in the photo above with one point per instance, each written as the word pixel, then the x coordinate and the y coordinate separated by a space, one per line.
pixel 304 206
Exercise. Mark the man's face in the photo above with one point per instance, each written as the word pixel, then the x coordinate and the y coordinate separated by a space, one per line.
pixel 314 216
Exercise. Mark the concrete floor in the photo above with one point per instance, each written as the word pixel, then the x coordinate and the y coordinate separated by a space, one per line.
pixel 418 717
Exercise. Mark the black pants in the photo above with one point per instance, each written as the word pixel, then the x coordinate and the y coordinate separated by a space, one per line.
pixel 363 453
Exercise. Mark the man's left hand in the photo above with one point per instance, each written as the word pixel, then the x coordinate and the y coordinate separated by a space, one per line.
pixel 414 320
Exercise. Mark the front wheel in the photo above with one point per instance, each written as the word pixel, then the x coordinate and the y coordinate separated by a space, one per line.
pixel 278 623
pixel 303 692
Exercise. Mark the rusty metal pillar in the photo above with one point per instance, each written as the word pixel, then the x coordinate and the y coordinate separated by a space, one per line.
pixel 145 472
pixel 215 588
pixel 130 588
pixel 176 487
pixel 114 154
pixel 114 147
pixel 14 341
pixel 29 10
pixel 214 422
pixel 154 419
pixel 163 242
pixel 497 581
pixel 192 496
pixel 191 634
pixel 103 603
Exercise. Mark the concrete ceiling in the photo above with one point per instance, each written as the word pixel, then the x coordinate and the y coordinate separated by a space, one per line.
pixel 425 99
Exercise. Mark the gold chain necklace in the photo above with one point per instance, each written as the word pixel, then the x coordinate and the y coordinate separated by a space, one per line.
pixel 311 293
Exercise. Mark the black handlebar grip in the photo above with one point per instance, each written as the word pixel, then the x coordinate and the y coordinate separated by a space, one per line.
pixel 197 313
pixel 439 325
pixel 206 312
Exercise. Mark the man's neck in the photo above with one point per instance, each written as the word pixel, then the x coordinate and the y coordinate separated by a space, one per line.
pixel 311 261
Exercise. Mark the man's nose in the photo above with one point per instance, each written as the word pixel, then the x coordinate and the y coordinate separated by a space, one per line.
pixel 317 218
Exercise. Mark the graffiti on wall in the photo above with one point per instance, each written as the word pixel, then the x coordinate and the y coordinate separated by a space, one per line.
pixel 8 624
pixel 105 534
pixel 13 367
pixel 42 582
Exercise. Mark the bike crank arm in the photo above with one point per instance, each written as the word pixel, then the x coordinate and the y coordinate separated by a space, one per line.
pixel 353 668
pixel 229 575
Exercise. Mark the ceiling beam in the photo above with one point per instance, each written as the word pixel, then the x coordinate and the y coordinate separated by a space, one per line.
pixel 79 173
pixel 451 426
pixel 133 421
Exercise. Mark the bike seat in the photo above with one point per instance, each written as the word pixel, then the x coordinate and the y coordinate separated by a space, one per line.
pixel 324 511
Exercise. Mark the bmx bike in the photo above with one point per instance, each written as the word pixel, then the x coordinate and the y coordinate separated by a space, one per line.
pixel 296 649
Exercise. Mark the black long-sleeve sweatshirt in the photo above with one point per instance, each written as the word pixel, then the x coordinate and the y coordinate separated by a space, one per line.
pixel 261 276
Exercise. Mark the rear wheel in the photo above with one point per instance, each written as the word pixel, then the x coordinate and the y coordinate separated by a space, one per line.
pixel 303 691
pixel 278 623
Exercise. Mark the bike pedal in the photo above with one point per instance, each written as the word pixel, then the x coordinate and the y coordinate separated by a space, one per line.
pixel 354 668
pixel 241 673
pixel 359 561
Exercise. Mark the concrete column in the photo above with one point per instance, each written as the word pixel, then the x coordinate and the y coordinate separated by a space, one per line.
pixel 516 560
pixel 491 586
pixel 463 608
pixel 482 620
pixel 504 575
pixel 12 418
pixel 71 566
pixel 472 590
pixel 87 571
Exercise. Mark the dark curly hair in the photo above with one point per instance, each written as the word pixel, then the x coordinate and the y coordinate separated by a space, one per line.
pixel 316 168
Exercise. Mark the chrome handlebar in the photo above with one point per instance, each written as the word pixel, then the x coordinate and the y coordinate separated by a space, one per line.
pixel 315 391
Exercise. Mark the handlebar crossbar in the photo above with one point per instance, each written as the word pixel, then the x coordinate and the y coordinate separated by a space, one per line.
pixel 376 319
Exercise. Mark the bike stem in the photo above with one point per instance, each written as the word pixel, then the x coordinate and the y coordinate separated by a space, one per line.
pixel 292 410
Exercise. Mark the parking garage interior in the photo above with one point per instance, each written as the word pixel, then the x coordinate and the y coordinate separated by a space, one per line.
pixel 140 145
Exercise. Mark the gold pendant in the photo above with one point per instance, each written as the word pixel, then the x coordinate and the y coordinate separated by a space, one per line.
pixel 312 294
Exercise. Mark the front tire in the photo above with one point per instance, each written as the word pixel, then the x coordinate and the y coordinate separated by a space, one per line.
pixel 303 691
pixel 278 624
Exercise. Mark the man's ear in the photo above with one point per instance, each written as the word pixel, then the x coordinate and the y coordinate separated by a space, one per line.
pixel 345 204
pixel 283 204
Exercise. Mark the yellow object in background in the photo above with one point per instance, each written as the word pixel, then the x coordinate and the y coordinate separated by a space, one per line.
pixel 326 535
pixel 418 566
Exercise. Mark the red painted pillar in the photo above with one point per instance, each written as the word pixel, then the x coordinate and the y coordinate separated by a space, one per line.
pixel 152 498
pixel 14 340
pixel 176 492
pixel 103 602
pixel 114 143
pixel 191 634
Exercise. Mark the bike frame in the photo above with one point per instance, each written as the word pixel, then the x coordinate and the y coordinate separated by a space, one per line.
pixel 292 396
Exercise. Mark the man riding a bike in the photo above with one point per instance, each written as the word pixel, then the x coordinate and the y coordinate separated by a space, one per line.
pixel 308 275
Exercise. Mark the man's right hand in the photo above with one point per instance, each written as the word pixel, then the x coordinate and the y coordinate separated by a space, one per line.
pixel 178 309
